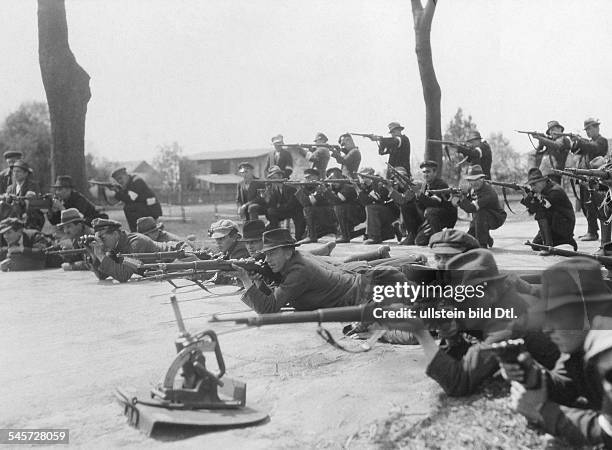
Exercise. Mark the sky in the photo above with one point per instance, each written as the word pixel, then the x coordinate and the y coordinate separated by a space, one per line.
pixel 219 75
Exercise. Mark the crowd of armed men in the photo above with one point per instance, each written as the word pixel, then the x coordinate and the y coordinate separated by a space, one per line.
pixel 561 379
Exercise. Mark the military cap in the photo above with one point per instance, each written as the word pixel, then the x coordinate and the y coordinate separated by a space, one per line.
pixel 452 242
pixel 393 125
pixel 554 123
pixel 99 224
pixel 245 165
pixel 320 136
pixel 252 230
pixel 534 175
pixel 332 172
pixel 63 181
pixel 146 225
pixel 22 165
pixel 13 154
pixel 575 280
pixel 11 223
pixel 429 163
pixel 474 172
pixel 590 122
pixel 70 215
pixel 118 171
pixel 474 135
pixel 278 139
pixel 280 237
pixel 222 228
pixel 312 171
pixel 473 267
pixel 274 170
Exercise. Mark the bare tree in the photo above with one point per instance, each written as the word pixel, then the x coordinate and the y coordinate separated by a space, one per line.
pixel 423 17
pixel 67 87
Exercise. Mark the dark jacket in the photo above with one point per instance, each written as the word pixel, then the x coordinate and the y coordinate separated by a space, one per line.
pixel 398 150
pixel 248 193
pixel 349 161
pixel 483 198
pixel 560 211
pixel 319 159
pixel 555 149
pixel 78 201
pixel 33 257
pixel 5 180
pixel 481 155
pixel 281 196
pixel 145 202
pixel 305 195
pixel 589 149
pixel 434 201
pixel 282 159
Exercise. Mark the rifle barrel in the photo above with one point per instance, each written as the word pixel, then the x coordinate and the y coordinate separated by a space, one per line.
pixel 605 260
pixel 341 314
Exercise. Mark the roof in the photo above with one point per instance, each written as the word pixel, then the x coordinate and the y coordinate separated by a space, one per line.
pixel 138 166
pixel 213 178
pixel 230 154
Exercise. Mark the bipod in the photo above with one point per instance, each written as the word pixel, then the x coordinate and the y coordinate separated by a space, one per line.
pixel 195 396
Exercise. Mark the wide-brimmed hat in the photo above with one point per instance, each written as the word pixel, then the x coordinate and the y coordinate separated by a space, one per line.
pixel 474 267
pixel 452 242
pixel 552 124
pixel 393 125
pixel 70 215
pixel 222 228
pixel 146 225
pixel 534 175
pixel 22 165
pixel 274 170
pixel 576 280
pixel 253 230
pixel 321 136
pixel 12 154
pixel 474 172
pixel 590 121
pixel 63 181
pixel 11 223
pixel 243 165
pixel 118 171
pixel 312 171
pixel 99 224
pixel 278 139
pixel 428 163
pixel 280 237
pixel 473 135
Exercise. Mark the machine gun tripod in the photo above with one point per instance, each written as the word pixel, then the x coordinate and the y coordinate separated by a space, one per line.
pixel 195 396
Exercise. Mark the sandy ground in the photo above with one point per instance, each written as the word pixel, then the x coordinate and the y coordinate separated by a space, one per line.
pixel 68 340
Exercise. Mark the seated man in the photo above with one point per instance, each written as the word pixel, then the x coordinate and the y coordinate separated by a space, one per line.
pixel 73 226
pixel 149 227
pixel 307 282
pixel 282 203
pixel 250 204
pixel 349 212
pixel 23 249
pixel 567 400
pixel 318 212
pixel 552 209
pixel 112 240
pixel 483 203
pixel 461 367
pixel 66 196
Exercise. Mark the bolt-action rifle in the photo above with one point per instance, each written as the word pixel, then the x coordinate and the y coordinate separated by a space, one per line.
pixel 514 186
pixel 106 184
pixel 606 261
pixel 404 181
pixel 513 351
pixel 372 137
pixel 535 134
pixel 447 191
pixel 595 173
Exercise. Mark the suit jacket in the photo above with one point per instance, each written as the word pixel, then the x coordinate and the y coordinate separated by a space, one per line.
pixel 145 200
pixel 398 150
pixel 284 160
pixel 248 194
pixel 80 202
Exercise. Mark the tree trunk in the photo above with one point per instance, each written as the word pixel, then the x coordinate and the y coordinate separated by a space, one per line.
pixel 431 89
pixel 67 88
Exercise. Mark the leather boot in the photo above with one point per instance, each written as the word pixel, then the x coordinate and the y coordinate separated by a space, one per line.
pixel 546 234
pixel 605 237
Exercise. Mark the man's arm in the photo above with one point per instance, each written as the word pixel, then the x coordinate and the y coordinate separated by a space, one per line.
pixel 290 289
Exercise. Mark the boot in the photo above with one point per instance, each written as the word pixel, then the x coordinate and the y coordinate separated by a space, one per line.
pixel 590 236
pixel 605 237
pixel 546 234
pixel 324 250
pixel 380 253
pixel 344 230
pixel 397 230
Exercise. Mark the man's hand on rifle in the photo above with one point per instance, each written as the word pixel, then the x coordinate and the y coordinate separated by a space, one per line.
pixel 247 278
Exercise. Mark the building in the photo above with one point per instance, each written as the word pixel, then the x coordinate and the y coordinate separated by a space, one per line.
pixel 145 171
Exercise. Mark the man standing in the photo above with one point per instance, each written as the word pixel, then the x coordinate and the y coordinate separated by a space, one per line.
pixel 587 149
pixel 478 152
pixel 319 215
pixel 555 148
pixel 280 157
pixel 250 204
pixel 68 197
pixel 397 146
pixel 484 205
pixel 5 176
pixel 319 157
pixel 138 199
pixel 552 209
pixel 282 203
pixel 349 157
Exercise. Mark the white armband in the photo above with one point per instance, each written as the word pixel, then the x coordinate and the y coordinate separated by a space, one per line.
pixel 151 201
pixel 133 195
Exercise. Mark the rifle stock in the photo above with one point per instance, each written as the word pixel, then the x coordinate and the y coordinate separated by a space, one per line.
pixel 595 173
pixel 107 184
pixel 604 260
pixel 514 186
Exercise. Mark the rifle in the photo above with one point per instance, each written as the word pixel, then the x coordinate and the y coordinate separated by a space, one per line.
pixel 320 182
pixel 606 261
pixel 592 173
pixel 535 134
pixel 572 136
pixel 375 178
pixel 404 180
pixel 508 352
pixel 459 145
pixel 39 201
pixel 157 256
pixel 66 252
pixel 570 174
pixel 517 187
pixel 373 137
pixel 270 181
pixel 106 184
pixel 447 191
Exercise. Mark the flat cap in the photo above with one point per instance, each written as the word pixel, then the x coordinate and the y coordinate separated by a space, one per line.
pixel 13 154
pixel 118 171
pixel 590 122
pixel 320 136
pixel 429 163
pixel 105 225
pixel 452 242
pixel 222 228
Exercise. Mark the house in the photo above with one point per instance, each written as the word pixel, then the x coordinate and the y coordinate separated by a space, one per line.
pixel 145 171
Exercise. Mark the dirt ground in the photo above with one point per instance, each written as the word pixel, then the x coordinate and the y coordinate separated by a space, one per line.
pixel 69 340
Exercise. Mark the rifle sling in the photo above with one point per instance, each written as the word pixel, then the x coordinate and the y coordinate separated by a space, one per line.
pixel 327 337
pixel 506 199
pixel 578 197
